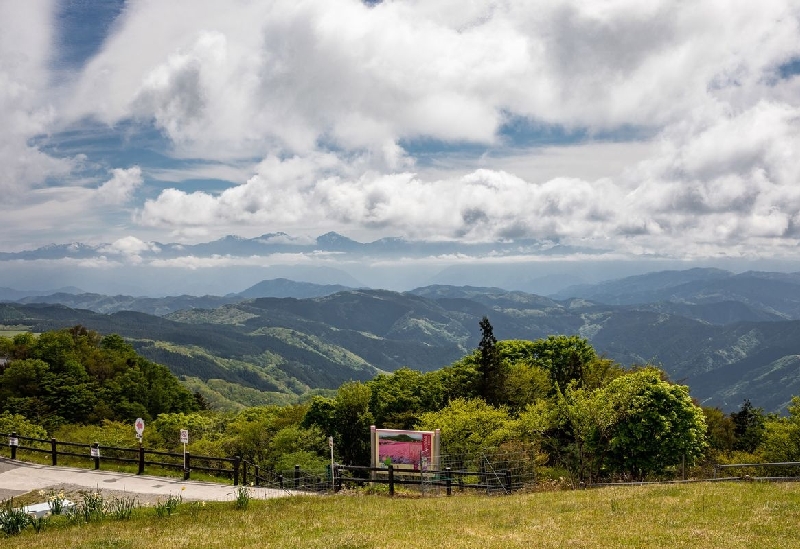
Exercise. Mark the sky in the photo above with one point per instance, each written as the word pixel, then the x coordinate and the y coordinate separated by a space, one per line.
pixel 667 129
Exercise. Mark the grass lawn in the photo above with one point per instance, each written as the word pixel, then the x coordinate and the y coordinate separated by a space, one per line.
pixel 702 515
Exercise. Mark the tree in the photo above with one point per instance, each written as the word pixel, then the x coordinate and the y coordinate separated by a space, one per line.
pixel 400 397
pixel 565 357
pixel 721 430
pixel 582 413
pixel 652 424
pixel 491 369
pixel 781 436
pixel 748 427
pixel 469 426
pixel 352 420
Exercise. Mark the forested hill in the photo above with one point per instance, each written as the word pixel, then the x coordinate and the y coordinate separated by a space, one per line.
pixel 274 349
pixel 75 375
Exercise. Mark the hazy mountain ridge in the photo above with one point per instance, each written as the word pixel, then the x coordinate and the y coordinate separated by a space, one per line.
pixel 765 294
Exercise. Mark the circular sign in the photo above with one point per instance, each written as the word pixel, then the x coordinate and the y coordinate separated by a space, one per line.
pixel 139 425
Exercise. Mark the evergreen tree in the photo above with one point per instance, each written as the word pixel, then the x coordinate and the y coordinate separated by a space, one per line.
pixel 490 367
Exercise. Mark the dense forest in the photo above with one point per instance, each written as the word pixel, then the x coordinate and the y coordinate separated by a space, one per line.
pixel 567 410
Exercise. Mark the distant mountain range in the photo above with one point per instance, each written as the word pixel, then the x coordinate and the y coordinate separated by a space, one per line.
pixel 276 243
pixel 729 337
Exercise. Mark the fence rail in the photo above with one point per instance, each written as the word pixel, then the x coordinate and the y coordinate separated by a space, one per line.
pixel 182 462
pixel 490 475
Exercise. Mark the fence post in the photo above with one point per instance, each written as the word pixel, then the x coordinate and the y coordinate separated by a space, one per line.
pixel 13 446
pixel 244 473
pixel 237 461
pixel 141 460
pixel 391 479
pixel 280 481
pixel 96 455
pixel 297 476
pixel 448 481
pixel 508 481
pixel 187 467
pixel 54 451
pixel 257 473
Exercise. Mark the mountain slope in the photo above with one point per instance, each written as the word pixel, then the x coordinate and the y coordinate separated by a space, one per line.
pixel 287 347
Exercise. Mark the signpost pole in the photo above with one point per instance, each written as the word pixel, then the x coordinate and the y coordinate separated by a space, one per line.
pixel 139 426
pixel 333 465
pixel 185 441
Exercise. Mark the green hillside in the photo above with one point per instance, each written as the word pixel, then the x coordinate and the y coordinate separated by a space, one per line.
pixel 282 348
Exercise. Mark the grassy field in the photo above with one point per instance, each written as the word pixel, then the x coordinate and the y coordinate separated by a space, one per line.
pixel 11 331
pixel 703 515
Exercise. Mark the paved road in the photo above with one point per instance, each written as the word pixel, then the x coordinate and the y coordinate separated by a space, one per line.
pixel 18 477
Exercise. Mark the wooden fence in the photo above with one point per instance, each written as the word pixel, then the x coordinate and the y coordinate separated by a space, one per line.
pixel 492 482
pixel 140 456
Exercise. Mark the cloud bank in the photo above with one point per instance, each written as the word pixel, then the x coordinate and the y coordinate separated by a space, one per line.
pixel 344 109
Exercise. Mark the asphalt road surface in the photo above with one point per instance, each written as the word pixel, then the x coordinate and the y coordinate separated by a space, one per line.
pixel 17 477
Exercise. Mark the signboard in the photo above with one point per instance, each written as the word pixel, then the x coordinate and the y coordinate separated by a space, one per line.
pixel 185 436
pixel 139 426
pixel 13 441
pixel 94 452
pixel 403 449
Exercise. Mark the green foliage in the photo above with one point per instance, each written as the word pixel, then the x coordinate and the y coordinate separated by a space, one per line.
pixel 16 423
pixel 168 506
pixel 648 424
pixel 748 427
pixel 76 376
pixel 108 433
pixel 781 438
pixel 564 357
pixel 399 398
pixel 352 421
pixel 491 369
pixel 241 497
pixel 12 520
pixel 121 507
pixel 92 507
pixel 469 426
pixel 721 433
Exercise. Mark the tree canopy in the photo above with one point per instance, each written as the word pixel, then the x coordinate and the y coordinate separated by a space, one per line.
pixel 77 376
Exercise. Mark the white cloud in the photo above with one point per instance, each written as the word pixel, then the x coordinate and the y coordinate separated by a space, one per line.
pixel 120 188
pixel 25 41
pixel 130 245
pixel 326 94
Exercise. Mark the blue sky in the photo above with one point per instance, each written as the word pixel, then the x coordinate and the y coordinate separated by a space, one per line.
pixel 658 129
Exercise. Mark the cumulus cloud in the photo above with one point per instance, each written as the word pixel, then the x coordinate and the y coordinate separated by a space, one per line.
pixel 713 182
pixel 291 73
pixel 332 97
pixel 120 188
pixel 25 110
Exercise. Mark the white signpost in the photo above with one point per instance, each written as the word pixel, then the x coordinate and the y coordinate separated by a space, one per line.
pixel 139 426
pixel 13 441
pixel 185 441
